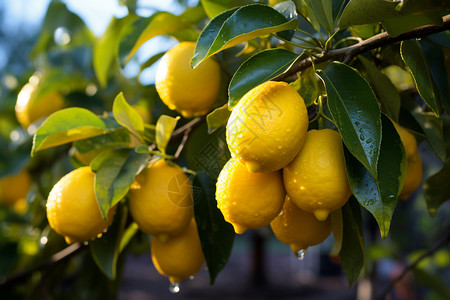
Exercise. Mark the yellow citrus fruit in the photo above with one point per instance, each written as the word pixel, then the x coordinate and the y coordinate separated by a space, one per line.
pixel 316 179
pixel 72 207
pixel 14 188
pixel 248 200
pixel 160 200
pixel 267 128
pixel 414 163
pixel 179 256
pixel 298 228
pixel 31 105
pixel 192 92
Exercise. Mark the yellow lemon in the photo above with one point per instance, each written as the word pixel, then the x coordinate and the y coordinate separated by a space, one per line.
pixel 316 179
pixel 72 207
pixel 267 128
pixel 14 188
pixel 160 200
pixel 298 228
pixel 31 105
pixel 179 256
pixel 248 200
pixel 192 92
pixel 408 140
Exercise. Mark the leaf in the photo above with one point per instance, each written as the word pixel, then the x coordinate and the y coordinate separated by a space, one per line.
pixel 117 138
pixel 287 9
pixel 127 116
pixel 433 282
pixel 258 69
pixel 239 25
pixel 144 29
pixel 216 7
pixel 164 128
pixel 216 235
pixel 356 112
pixel 307 86
pixel 436 189
pixel 105 250
pixel 414 58
pixel 432 126
pixel 352 251
pixel 323 10
pixel 218 118
pixel 401 24
pixel 385 90
pixel 114 173
pixel 337 226
pixel 150 62
pixel 68 125
pixel 380 196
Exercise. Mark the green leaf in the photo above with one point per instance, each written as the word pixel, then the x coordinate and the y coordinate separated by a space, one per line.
pixel 432 281
pixel 239 25
pixel 216 235
pixel 127 116
pixel 352 251
pixel 287 9
pixel 164 128
pixel 436 189
pixel 337 226
pixel 401 24
pixel 356 112
pixel 68 125
pixel 414 58
pixel 307 86
pixel 144 29
pixel 380 196
pixel 218 118
pixel 106 50
pixel 258 69
pixel 432 126
pixel 323 11
pixel 117 138
pixel 385 90
pixel 152 60
pixel 114 173
pixel 105 250
pixel 216 7
pixel 306 11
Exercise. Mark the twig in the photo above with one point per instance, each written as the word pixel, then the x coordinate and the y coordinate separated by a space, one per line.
pixel 442 242
pixel 381 39
pixel 183 142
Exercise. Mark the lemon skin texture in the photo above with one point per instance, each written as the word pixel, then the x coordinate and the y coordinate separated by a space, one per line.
pixel 299 229
pixel 160 200
pixel 267 128
pixel 316 180
pixel 248 200
pixel 192 92
pixel 179 256
pixel 72 207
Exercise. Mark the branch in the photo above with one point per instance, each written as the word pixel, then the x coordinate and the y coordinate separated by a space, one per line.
pixel 379 40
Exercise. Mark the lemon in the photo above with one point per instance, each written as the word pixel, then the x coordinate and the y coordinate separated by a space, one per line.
pixel 316 179
pixel 414 163
pixel 267 128
pixel 179 256
pixel 160 200
pixel 31 105
pixel 192 92
pixel 14 188
pixel 72 207
pixel 248 200
pixel 298 228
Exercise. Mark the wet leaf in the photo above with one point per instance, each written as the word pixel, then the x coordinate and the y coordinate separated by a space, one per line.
pixel 307 86
pixel 436 189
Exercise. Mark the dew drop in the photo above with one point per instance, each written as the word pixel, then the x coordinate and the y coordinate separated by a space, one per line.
pixel 362 137
pixel 300 254
pixel 357 123
pixel 288 130
pixel 280 147
pixel 174 287
pixel 85 243
pixel 191 277
pixel 285 224
pixel 361 130
pixel 369 141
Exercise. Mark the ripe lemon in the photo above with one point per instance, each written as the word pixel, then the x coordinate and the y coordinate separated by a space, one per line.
pixel 31 105
pixel 72 207
pixel 14 188
pixel 179 256
pixel 267 128
pixel 298 228
pixel 160 200
pixel 248 200
pixel 192 92
pixel 414 163
pixel 316 179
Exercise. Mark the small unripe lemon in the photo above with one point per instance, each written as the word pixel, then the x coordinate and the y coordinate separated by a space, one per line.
pixel 248 200
pixel 15 187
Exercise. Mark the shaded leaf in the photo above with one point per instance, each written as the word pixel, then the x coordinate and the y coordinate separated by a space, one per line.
pixel 432 126
pixel 337 226
pixel 307 86
pixel 164 128
pixel 433 282
pixel 356 112
pixel 128 116
pixel 239 25
pixel 401 24
pixel 218 118
pixel 436 189
pixel 380 196
pixel 216 235
pixel 258 69
pixel 323 11
pixel 414 58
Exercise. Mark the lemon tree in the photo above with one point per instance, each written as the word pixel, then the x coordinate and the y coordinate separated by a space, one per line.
pixel 281 115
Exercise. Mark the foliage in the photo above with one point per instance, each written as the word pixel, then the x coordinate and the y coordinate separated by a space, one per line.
pixel 358 68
